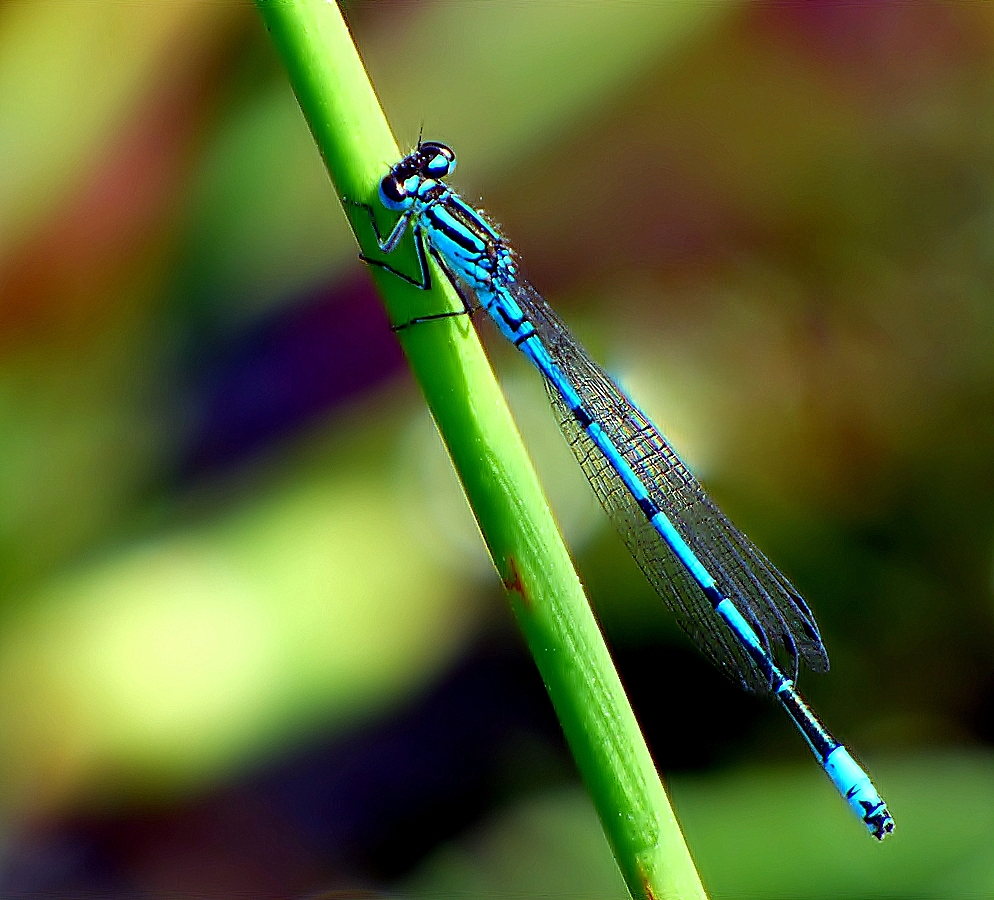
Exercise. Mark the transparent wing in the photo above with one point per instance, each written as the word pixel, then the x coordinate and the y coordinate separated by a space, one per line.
pixel 762 594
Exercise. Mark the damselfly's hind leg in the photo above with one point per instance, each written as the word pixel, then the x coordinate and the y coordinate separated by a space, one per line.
pixel 424 283
pixel 467 307
pixel 467 304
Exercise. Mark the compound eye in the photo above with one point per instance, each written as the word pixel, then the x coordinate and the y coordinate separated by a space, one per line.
pixel 440 160
pixel 393 194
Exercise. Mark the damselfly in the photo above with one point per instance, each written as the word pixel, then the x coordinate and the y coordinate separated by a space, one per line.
pixel 732 601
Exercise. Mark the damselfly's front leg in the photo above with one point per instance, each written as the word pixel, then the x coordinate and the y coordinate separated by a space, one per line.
pixel 389 243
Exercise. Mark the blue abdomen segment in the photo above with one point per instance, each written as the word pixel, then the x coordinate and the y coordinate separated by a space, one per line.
pixel 855 785
pixel 742 629
pixel 850 780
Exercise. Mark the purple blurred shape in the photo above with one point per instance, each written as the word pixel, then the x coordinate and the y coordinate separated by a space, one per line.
pixel 252 389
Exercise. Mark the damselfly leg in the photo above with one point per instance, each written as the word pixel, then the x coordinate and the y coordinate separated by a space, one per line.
pixel 389 243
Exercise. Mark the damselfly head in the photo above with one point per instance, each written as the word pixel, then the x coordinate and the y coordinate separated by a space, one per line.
pixel 431 161
pixel 437 160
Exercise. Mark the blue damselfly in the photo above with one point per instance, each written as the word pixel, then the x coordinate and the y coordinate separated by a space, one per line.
pixel 732 601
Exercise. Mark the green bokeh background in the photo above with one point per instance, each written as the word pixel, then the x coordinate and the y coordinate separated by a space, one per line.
pixel 773 222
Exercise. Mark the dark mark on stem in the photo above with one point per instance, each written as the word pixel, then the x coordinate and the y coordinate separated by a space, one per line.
pixel 646 885
pixel 514 583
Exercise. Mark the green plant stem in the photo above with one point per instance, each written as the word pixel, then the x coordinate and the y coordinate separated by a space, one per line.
pixel 352 134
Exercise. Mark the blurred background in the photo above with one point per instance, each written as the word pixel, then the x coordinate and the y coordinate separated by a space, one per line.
pixel 250 641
